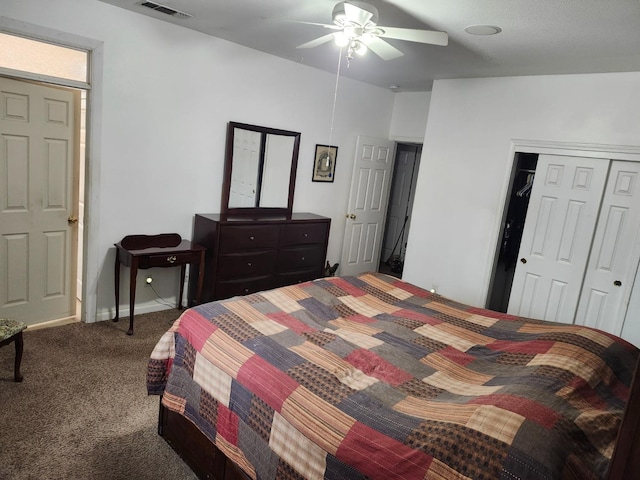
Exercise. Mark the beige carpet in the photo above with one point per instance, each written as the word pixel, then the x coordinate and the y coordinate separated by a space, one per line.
pixel 82 411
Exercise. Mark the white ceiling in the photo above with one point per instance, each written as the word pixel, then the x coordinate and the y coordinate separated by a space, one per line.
pixel 538 36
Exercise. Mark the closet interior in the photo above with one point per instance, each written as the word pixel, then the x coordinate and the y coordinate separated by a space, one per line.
pixel 516 213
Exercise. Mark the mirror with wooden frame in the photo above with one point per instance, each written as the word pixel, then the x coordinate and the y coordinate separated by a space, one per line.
pixel 260 169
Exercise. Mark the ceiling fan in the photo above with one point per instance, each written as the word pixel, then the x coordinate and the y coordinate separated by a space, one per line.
pixel 356 27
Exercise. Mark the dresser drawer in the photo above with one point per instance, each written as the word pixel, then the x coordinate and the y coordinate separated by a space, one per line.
pixel 303 233
pixel 242 286
pixel 249 264
pixel 247 237
pixel 168 260
pixel 300 276
pixel 296 258
pixel 250 253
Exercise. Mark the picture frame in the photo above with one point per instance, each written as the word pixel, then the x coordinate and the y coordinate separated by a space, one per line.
pixel 324 163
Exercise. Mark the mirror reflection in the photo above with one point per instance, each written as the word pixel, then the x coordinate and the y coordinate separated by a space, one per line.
pixel 260 169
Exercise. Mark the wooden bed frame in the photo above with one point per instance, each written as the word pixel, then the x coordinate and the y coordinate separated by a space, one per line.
pixel 208 462
pixel 204 458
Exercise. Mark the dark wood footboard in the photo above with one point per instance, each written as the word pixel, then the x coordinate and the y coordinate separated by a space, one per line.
pixel 202 456
pixel 625 463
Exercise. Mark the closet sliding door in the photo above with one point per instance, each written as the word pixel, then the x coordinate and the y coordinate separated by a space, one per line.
pixel 614 257
pixel 579 251
pixel 556 241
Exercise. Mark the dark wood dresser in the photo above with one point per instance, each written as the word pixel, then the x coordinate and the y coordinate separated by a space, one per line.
pixel 250 253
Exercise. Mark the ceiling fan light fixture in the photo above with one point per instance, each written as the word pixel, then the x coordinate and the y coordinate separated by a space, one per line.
pixel 341 15
pixel 356 30
pixel 342 38
pixel 359 47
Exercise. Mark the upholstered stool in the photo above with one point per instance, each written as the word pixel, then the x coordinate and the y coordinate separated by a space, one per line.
pixel 11 331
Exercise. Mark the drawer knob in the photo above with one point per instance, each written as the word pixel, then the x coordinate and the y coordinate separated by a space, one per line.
pixel 171 259
pixel 302 259
pixel 248 264
pixel 305 235
pixel 252 238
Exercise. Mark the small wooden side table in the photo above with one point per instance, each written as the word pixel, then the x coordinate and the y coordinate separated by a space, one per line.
pixel 146 251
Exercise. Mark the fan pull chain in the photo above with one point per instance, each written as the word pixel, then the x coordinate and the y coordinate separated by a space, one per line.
pixel 335 98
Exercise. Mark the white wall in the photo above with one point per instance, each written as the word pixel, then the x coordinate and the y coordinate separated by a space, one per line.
pixel 409 117
pixel 167 96
pixel 467 157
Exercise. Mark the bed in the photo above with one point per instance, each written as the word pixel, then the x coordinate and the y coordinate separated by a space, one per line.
pixel 372 377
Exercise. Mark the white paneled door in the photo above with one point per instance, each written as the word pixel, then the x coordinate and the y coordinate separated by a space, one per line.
pixel 38 185
pixel 614 257
pixel 372 171
pixel 556 241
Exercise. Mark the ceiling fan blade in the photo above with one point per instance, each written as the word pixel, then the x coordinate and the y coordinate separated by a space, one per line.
pixel 380 47
pixel 318 41
pixel 413 35
pixel 330 27
pixel 356 14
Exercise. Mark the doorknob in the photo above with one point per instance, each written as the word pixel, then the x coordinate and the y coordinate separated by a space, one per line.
pixel 72 220
pixel 351 216
pixel 523 260
pixel 617 283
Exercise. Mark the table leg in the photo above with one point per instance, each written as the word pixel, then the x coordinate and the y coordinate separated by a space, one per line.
pixel 116 277
pixel 183 269
pixel 200 278
pixel 19 346
pixel 132 293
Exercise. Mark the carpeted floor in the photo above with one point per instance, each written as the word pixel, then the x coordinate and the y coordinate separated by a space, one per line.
pixel 82 411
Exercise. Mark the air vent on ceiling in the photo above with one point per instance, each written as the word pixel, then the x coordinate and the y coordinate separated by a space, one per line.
pixel 164 9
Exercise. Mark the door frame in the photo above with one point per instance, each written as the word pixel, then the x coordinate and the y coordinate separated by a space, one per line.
pixel 413 183
pixel 612 152
pixel 394 149
pixel 94 88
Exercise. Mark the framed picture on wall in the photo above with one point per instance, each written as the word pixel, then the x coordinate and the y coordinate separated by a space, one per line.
pixel 324 165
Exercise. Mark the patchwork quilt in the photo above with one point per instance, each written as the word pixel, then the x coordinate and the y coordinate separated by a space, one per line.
pixel 372 377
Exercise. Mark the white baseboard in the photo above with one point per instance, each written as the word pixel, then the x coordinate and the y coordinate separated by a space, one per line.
pixel 108 314
pixel 54 323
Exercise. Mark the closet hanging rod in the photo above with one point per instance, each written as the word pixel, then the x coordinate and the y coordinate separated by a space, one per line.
pixel 528 170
